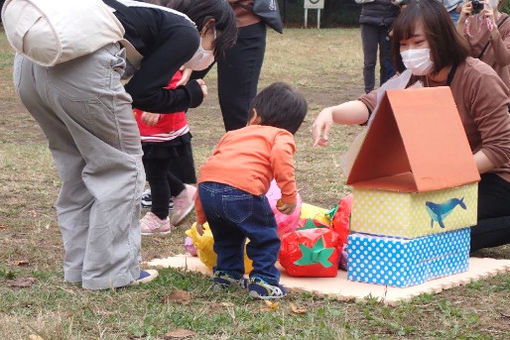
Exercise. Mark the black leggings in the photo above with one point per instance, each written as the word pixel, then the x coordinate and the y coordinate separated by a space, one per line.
pixel 167 166
pixel 163 184
pixel 493 228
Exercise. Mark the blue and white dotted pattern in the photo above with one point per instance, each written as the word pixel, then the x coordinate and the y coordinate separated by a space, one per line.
pixel 407 262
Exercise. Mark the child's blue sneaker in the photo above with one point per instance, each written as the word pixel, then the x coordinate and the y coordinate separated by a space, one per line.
pixel 260 289
pixel 223 280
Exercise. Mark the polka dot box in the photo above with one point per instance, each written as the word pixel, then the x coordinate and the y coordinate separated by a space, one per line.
pixel 401 262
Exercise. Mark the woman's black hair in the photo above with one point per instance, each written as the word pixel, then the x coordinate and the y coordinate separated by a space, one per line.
pixel 447 47
pixel 280 106
pixel 201 11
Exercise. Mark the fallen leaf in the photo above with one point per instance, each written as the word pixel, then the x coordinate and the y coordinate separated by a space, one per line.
pixel 227 304
pixel 21 283
pixel 35 337
pixel 179 296
pixel 297 310
pixel 179 333
pixel 270 306
pixel 507 316
pixel 22 263
pixel 3 227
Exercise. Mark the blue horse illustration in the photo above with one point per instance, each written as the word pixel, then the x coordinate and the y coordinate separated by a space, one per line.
pixel 438 212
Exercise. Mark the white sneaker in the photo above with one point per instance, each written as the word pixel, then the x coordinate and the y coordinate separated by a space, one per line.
pixel 147 199
pixel 183 204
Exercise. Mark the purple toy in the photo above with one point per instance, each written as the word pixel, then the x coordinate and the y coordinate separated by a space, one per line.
pixel 343 258
pixel 189 247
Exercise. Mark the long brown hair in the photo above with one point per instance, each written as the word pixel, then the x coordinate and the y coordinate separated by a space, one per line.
pixel 447 47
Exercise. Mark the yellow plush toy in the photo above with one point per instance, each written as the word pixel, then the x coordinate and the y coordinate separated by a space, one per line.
pixel 204 245
pixel 315 213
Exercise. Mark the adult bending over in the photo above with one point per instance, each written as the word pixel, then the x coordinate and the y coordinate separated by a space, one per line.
pixel 86 115
pixel 427 44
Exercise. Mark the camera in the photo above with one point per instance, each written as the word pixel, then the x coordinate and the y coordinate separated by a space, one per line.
pixel 477 6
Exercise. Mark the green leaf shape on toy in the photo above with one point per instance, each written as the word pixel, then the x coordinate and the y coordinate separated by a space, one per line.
pixel 310 224
pixel 331 213
pixel 317 254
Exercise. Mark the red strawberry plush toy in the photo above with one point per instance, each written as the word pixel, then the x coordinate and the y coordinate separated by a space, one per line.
pixel 311 252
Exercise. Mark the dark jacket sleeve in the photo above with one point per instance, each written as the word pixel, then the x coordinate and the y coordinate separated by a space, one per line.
pixel 194 92
pixel 147 87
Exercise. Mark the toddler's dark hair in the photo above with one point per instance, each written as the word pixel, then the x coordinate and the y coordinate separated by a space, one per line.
pixel 280 106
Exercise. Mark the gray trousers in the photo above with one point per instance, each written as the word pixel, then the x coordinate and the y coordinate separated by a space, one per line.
pixel 87 118
pixel 373 37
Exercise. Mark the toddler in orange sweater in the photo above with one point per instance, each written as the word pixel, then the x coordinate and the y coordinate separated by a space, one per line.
pixel 232 186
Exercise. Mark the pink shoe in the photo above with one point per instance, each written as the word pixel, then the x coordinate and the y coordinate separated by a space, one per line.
pixel 151 224
pixel 183 204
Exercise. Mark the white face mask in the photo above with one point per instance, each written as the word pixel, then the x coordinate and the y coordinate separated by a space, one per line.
pixel 417 61
pixel 202 58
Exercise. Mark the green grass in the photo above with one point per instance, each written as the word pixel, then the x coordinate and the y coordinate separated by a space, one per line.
pixel 326 67
pixel 6 56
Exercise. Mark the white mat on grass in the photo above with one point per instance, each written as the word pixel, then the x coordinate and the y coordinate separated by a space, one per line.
pixel 340 287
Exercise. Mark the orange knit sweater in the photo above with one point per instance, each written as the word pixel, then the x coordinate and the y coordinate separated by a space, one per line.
pixel 248 159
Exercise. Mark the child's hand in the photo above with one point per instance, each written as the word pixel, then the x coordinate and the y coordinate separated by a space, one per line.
pixel 150 119
pixel 200 229
pixel 201 82
pixel 285 208
pixel 186 74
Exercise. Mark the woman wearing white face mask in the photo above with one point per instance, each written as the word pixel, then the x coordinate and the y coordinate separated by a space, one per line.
pixel 168 39
pixel 427 50
pixel 488 34
pixel 202 58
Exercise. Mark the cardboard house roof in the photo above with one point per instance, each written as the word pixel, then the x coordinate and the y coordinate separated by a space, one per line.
pixel 416 143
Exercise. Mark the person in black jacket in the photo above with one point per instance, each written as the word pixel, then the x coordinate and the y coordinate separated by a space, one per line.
pixel 167 40
pixel 376 19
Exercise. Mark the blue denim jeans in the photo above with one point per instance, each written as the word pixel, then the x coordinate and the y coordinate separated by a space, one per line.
pixel 234 215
